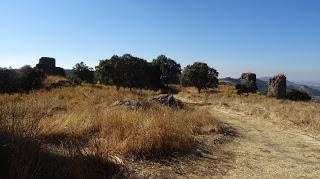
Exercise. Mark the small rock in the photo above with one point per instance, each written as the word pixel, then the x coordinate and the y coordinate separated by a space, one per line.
pixel 168 100
pixel 127 103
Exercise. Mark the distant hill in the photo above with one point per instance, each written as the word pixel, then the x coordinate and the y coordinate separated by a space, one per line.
pixel 262 84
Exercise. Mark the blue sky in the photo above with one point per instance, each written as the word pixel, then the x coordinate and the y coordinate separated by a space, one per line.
pixel 234 36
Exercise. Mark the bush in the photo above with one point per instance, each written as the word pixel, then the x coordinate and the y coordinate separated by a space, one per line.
pixel 248 87
pixel 296 95
pixel 21 80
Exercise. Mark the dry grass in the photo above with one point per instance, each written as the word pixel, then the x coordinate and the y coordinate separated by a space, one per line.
pixel 53 79
pixel 302 114
pixel 80 123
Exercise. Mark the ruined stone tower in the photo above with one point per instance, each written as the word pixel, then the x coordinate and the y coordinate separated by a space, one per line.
pixel 277 86
pixel 248 83
pixel 48 66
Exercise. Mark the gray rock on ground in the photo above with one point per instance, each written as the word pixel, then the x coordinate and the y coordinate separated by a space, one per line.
pixel 277 86
pixel 128 104
pixel 168 100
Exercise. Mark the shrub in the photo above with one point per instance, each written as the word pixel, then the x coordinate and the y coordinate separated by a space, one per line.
pixel 247 87
pixel 21 80
pixel 296 95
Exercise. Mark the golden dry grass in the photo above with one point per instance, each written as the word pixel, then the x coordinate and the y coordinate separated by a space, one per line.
pixel 53 79
pixel 302 114
pixel 80 121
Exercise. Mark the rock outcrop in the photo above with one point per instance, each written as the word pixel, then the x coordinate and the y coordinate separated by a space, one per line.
pixel 48 66
pixel 277 86
pixel 168 100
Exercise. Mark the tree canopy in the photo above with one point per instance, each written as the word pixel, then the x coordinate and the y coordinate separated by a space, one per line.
pixel 170 69
pixel 128 71
pixel 200 75
pixel 83 72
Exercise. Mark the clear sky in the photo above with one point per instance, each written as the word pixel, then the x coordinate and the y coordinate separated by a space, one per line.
pixel 234 36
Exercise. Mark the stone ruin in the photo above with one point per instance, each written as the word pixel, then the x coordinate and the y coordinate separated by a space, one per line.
pixel 248 83
pixel 277 86
pixel 248 78
pixel 48 66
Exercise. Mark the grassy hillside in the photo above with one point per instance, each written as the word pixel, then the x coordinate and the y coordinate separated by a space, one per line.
pixel 77 127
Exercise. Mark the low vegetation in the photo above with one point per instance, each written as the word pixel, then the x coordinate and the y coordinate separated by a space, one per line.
pixel 78 128
pixel 304 115
pixel 20 80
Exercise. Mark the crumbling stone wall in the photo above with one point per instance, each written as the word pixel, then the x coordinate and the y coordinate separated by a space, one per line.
pixel 277 86
pixel 48 66
pixel 248 83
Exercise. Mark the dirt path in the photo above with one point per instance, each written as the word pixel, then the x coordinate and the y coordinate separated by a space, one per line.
pixel 267 150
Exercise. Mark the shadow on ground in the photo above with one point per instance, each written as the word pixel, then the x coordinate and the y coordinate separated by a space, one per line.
pixel 26 158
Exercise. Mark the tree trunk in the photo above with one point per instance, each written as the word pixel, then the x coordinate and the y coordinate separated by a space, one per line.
pixel 199 90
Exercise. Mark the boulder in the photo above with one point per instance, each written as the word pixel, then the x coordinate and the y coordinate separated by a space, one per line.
pixel 168 100
pixel 277 86
pixel 128 104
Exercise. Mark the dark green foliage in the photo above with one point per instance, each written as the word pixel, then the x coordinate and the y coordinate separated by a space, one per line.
pixel 128 71
pixel 83 72
pixel 21 80
pixel 296 95
pixel 170 70
pixel 247 87
pixel 200 75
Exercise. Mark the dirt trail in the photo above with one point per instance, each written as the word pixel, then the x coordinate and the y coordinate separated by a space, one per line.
pixel 267 150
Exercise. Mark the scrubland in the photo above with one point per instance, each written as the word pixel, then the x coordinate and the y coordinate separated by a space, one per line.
pixel 76 132
pixel 79 129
